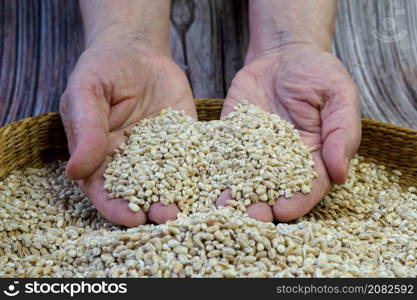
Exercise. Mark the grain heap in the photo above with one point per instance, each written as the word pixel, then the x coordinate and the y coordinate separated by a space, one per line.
pixel 174 158
pixel 364 228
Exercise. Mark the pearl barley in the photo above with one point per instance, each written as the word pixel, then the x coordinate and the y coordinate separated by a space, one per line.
pixel 173 158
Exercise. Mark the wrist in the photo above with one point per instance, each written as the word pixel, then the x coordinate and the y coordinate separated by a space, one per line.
pixel 279 24
pixel 140 22
pixel 116 35
pixel 279 41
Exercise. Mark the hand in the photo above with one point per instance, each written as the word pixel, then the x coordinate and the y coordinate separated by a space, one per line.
pixel 115 84
pixel 311 89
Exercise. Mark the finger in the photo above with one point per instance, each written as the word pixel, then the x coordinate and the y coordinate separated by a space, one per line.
pixel 259 211
pixel 225 196
pixel 160 213
pixel 228 106
pixel 85 117
pixel 249 91
pixel 341 131
pixel 299 204
pixel 114 210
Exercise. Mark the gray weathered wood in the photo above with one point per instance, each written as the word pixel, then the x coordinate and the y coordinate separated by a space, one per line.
pixel 377 42
pixel 41 40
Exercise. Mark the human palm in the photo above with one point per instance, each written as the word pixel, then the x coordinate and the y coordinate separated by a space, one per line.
pixel 112 87
pixel 312 90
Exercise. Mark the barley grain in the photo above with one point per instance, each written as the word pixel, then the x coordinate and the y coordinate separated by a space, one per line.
pixel 180 155
pixel 364 228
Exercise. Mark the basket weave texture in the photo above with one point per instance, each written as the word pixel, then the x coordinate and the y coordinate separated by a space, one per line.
pixel 32 142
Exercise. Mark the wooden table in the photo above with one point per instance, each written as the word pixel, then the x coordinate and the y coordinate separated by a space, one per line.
pixel 376 39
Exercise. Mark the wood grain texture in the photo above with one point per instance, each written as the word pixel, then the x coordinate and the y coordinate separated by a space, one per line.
pixel 40 42
pixel 376 40
pixel 213 38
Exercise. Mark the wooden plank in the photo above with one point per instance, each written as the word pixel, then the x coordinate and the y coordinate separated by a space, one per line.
pixel 40 42
pixel 26 64
pixel 376 40
pixel 61 43
pixel 197 26
pixel 8 41
pixel 234 35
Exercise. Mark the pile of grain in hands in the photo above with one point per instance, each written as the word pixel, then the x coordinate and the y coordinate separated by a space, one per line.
pixel 366 227
pixel 173 158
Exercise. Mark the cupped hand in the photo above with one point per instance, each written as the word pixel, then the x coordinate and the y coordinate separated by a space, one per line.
pixel 311 89
pixel 115 84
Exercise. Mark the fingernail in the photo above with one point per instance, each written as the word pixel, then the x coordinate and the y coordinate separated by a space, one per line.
pixel 347 163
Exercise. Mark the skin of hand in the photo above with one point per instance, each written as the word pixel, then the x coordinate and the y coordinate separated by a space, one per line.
pixel 309 87
pixel 117 81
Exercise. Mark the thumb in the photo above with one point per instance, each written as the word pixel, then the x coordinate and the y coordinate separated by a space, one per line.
pixel 341 131
pixel 85 118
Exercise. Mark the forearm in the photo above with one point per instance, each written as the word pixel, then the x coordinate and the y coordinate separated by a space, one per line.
pixel 142 20
pixel 277 23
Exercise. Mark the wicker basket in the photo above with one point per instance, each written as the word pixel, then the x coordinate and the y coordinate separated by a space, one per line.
pixel 32 142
